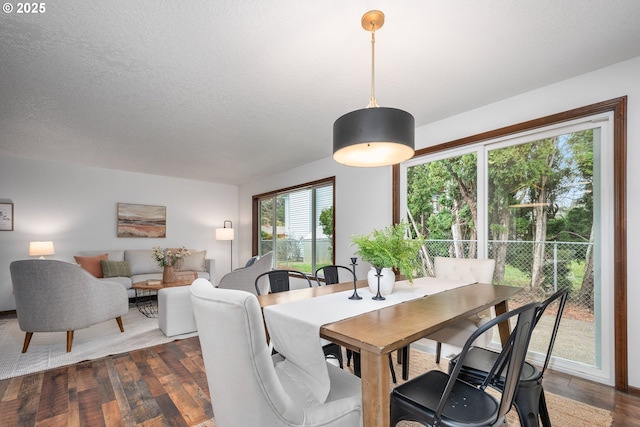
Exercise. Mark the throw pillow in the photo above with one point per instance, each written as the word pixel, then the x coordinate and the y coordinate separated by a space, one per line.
pixel 251 261
pixel 92 263
pixel 115 268
pixel 193 262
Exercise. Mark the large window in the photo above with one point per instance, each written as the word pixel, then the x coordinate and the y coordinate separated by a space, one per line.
pixel 296 223
pixel 545 199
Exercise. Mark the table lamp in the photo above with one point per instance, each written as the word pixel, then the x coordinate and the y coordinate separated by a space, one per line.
pixel 41 249
pixel 226 233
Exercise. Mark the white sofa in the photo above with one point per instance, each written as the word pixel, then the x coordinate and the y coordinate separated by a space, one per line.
pixel 143 267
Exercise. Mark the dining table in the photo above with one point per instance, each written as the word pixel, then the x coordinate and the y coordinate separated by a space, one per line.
pixel 372 328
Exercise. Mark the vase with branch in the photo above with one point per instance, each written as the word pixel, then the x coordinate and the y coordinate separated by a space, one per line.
pixel 168 258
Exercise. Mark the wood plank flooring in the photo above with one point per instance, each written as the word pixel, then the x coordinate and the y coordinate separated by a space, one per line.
pixel 166 385
pixel 163 385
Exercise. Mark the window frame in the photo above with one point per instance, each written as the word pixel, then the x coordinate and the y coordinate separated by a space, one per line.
pixel 255 201
pixel 617 106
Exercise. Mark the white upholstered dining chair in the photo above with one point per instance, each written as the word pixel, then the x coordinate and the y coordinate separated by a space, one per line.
pixel 463 269
pixel 246 385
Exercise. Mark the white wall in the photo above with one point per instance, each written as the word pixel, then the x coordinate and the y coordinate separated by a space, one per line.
pixel 363 196
pixel 75 207
pixel 363 201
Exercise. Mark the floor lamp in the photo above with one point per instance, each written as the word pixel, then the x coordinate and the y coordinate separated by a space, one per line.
pixel 226 233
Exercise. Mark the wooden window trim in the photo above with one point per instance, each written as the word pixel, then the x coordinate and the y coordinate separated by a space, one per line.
pixel 619 108
pixel 255 236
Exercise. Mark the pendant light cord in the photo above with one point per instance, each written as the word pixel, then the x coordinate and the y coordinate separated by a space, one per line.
pixel 372 100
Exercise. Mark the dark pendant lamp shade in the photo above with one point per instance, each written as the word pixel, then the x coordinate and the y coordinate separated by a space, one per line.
pixel 375 136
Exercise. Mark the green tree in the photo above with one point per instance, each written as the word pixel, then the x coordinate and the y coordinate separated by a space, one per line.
pixel 326 221
pixel 441 199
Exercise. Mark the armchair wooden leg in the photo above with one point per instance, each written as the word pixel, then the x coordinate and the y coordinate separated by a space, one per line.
pixel 69 341
pixel 27 340
pixel 438 350
pixel 119 320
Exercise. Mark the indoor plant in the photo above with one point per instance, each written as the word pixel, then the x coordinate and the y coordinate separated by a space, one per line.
pixel 386 249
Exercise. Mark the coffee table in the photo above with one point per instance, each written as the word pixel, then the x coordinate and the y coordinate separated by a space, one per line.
pixel 147 294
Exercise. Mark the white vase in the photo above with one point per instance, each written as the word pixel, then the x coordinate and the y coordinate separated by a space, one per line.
pixel 387 281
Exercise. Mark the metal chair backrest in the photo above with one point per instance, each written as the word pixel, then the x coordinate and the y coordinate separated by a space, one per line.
pixel 279 280
pixel 331 275
pixel 560 295
pixel 511 357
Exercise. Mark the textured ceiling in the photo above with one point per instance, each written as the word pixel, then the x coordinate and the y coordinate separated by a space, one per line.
pixel 230 91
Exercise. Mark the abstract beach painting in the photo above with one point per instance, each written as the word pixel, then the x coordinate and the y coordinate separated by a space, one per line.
pixel 141 220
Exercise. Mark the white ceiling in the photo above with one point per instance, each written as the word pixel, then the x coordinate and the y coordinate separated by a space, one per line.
pixel 230 91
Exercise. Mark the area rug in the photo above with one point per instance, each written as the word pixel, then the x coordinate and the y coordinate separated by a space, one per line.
pixel 48 350
pixel 562 411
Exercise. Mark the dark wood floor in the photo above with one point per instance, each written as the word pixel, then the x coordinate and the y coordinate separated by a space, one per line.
pixel 166 385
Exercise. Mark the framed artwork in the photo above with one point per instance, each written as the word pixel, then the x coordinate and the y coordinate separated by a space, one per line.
pixel 6 216
pixel 141 220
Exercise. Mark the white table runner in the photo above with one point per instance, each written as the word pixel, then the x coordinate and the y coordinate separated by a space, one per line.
pixel 294 327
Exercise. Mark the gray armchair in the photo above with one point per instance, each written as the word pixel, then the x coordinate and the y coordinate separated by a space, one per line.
pixel 244 278
pixel 57 296
pixel 248 387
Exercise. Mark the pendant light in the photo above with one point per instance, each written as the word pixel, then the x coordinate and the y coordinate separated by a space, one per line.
pixel 373 136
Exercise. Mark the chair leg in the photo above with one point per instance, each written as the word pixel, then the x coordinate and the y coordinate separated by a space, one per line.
pixel 69 341
pixel 119 320
pixel 356 366
pixel 349 356
pixel 405 362
pixel 438 350
pixel 528 402
pixel 393 371
pixel 544 412
pixel 27 340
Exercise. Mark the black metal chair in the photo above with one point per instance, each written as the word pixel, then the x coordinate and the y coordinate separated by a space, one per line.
pixel 440 399
pixel 331 276
pixel 279 281
pixel 529 401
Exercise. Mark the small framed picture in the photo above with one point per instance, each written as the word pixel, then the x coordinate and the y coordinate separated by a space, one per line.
pixel 6 216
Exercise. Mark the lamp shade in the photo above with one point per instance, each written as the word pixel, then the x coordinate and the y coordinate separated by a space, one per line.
pixel 224 233
pixel 376 136
pixel 41 248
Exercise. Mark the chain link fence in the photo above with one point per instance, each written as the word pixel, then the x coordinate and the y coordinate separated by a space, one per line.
pixel 565 265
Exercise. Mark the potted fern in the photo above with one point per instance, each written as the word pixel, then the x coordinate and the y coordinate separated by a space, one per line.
pixel 386 249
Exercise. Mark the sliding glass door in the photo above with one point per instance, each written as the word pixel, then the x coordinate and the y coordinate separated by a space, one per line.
pixel 539 203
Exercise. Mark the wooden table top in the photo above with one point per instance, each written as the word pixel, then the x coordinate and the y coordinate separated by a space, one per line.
pixel 154 285
pixel 306 293
pixel 394 327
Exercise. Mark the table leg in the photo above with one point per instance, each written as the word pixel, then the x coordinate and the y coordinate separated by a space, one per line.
pixel 375 388
pixel 503 328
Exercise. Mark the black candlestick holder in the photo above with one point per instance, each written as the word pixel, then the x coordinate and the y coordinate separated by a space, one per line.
pixel 378 296
pixel 355 289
